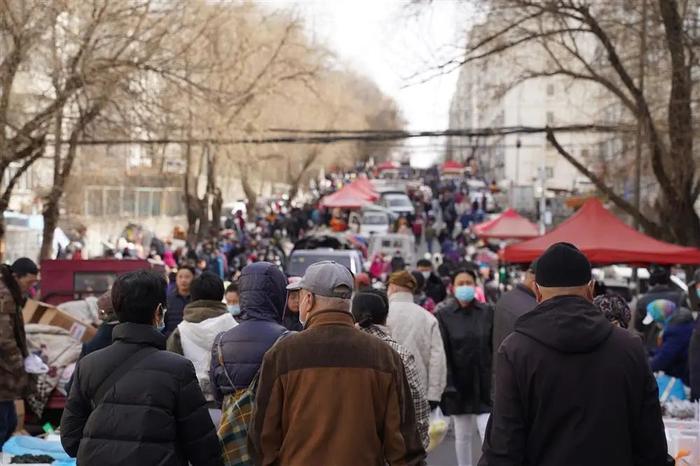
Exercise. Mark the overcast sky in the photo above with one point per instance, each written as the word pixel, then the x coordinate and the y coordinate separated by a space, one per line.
pixel 384 40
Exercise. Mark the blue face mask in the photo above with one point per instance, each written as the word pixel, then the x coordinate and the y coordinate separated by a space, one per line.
pixel 234 309
pixel 697 292
pixel 465 293
pixel 161 326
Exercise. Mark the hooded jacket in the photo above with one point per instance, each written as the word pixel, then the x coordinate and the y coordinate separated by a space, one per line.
pixel 154 414
pixel 263 294
pixel 572 389
pixel 435 289
pixel 202 321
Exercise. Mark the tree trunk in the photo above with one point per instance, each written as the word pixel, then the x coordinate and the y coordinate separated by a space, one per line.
pixel 251 196
pixel 217 205
pixel 188 199
pixel 50 214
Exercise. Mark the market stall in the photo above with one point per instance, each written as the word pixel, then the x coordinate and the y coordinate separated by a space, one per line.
pixel 508 225
pixel 604 239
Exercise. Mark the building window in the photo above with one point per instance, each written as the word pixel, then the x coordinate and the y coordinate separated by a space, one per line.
pixel 550 89
pixel 550 118
pixel 549 172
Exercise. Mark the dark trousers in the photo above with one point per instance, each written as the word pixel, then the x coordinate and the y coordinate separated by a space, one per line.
pixel 8 420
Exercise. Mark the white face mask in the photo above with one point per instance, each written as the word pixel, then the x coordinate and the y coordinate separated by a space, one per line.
pixel 426 274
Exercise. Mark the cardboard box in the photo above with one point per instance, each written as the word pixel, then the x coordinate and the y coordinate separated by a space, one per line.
pixel 36 312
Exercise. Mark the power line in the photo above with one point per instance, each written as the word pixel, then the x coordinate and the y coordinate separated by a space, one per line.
pixel 336 136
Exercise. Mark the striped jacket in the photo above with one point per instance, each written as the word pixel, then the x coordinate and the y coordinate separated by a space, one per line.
pixel 420 404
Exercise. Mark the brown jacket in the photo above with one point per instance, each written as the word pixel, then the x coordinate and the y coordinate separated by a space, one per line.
pixel 14 380
pixel 334 395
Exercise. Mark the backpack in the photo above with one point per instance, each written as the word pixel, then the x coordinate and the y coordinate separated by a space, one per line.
pixel 236 416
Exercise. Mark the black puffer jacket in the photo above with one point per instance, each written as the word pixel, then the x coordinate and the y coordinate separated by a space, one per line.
pixel 466 334
pixel 154 414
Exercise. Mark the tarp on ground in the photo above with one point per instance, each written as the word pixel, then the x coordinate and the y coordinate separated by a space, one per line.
pixel 604 239
pixel 508 225
pixel 346 198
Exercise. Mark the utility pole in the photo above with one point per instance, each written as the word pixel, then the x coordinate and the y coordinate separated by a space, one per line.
pixel 640 130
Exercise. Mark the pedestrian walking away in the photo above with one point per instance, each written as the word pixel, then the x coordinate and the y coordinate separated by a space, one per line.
pixel 572 388
pixel 133 402
pixel 329 372
pixel 237 354
pixel 512 305
pixel 417 331
pixel 370 309
pixel 204 318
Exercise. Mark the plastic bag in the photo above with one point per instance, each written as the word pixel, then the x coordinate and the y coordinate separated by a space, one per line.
pixel 439 425
pixel 33 364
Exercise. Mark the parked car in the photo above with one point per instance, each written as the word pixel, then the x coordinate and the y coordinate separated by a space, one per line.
pixel 301 259
pixel 393 243
pixel 398 203
pixel 374 222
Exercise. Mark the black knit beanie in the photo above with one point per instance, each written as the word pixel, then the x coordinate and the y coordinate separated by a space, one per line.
pixel 562 266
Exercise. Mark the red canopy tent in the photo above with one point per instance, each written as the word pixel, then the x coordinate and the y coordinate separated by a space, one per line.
pixel 346 198
pixel 509 225
pixel 452 165
pixel 604 239
pixel 364 186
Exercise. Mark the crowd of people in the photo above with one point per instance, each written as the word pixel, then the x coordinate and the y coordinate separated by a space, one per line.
pixel 229 361
pixel 327 369
pixel 551 376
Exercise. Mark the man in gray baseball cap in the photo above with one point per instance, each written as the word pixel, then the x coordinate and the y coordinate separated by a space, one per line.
pixel 327 285
pixel 329 372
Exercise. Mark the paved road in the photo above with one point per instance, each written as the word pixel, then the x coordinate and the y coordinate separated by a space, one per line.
pixel 444 454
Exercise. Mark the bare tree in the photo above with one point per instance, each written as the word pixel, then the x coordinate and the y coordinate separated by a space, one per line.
pixel 598 43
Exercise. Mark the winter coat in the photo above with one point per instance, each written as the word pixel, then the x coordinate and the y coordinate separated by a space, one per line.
pixel 176 307
pixel 154 414
pixel 202 321
pixel 263 294
pixel 572 389
pixel 418 331
pixel 102 339
pixel 420 403
pixel 509 308
pixel 291 321
pixel 467 335
pixel 329 372
pixel 650 333
pixel 694 363
pixel 14 381
pixel 435 289
pixel 672 356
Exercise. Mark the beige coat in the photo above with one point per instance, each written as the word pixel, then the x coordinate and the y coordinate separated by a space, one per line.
pixel 418 331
